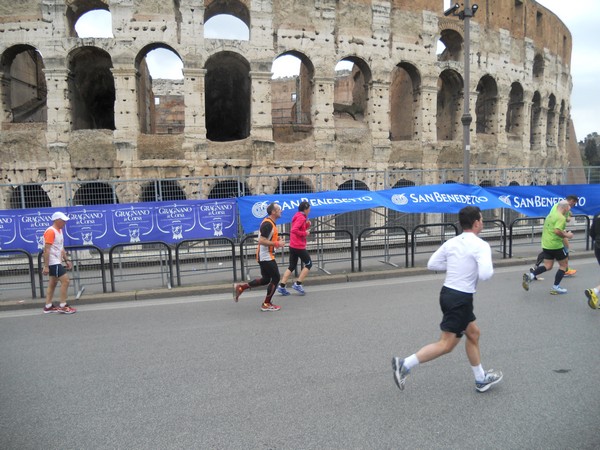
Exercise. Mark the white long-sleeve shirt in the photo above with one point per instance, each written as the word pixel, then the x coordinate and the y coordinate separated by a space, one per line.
pixel 466 258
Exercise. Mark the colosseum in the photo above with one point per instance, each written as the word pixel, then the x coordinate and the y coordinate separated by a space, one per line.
pixel 85 110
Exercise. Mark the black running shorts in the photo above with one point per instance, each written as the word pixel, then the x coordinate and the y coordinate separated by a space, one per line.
pixel 56 270
pixel 558 254
pixel 458 311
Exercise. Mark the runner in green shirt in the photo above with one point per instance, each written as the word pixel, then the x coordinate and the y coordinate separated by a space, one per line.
pixel 553 247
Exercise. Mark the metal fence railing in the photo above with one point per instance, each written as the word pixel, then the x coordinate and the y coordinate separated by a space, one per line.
pixel 156 265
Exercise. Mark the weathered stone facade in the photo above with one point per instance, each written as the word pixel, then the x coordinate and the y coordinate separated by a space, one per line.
pixel 80 109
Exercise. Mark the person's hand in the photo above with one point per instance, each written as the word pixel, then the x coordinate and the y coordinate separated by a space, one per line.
pixel 308 223
pixel 45 270
pixel 69 265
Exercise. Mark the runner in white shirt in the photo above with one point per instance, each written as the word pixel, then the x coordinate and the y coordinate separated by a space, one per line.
pixel 466 259
pixel 54 255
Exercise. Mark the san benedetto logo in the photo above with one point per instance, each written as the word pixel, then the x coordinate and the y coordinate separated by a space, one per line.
pixel 438 197
pixel 259 210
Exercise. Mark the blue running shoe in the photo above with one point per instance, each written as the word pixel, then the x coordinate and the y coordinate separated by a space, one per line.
pixel 283 291
pixel 298 288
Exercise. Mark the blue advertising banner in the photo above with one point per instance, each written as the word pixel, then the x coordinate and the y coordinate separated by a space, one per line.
pixel 446 198
pixel 440 198
pixel 107 225
pixel 537 200
pixel 253 208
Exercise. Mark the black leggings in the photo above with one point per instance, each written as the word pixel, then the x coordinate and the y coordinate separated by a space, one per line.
pixel 270 275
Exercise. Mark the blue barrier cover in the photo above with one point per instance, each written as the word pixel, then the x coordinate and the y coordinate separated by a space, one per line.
pixel 108 225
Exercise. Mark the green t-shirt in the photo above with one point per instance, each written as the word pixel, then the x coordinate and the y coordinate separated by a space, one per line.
pixel 553 221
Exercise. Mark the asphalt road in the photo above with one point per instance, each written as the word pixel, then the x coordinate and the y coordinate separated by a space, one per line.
pixel 207 373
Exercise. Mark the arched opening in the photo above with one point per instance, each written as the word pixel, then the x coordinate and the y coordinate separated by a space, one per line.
pixel 222 27
pixel 354 221
pixel 95 194
pixel 551 131
pixel 161 106
pixel 562 124
pixel 24 91
pixel 291 97
pixel 538 66
pixel 450 46
pixel 514 113
pixel 162 191
pixel 535 132
pixel 226 27
pixel 405 102
pixel 94 24
pixel 229 189
pixel 351 89
pixel 293 186
pixel 29 196
pixel 228 97
pixel 485 106
pixel 91 89
pixel 449 105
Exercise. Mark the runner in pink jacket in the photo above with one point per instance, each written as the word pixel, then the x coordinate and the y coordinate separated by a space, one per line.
pixel 298 234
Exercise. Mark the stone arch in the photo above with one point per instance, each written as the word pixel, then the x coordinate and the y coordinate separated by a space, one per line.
pixel 29 196
pixel 291 104
pixel 515 113
pixel 24 91
pixel 354 221
pixel 162 191
pixel 228 97
pixel 229 189
pixel 77 8
pixel 449 105
pixel 453 42
pixel 91 89
pixel 535 133
pixel 538 66
pixel 551 129
pixel 486 110
pixel 405 102
pixel 95 193
pixel 351 90
pixel 161 106
pixel 234 8
pixel 294 185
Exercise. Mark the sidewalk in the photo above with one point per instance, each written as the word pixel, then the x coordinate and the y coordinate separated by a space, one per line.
pixel 524 255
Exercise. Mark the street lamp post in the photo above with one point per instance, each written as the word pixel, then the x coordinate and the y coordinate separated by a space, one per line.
pixel 466 119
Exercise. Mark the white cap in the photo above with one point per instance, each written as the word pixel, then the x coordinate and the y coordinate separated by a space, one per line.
pixel 59 215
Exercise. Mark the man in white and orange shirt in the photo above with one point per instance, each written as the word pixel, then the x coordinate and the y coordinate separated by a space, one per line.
pixel 268 241
pixel 54 255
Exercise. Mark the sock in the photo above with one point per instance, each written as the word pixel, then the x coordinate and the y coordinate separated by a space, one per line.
pixel 478 372
pixel 411 361
pixel 538 271
pixel 596 291
pixel 62 305
pixel 559 276
pixel 282 285
pixel 298 283
pixel 48 305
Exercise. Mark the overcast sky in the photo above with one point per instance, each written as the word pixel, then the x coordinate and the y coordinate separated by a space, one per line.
pixel 582 17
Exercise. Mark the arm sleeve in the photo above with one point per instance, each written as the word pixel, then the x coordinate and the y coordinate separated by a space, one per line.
pixel 437 261
pixel 299 226
pixel 484 262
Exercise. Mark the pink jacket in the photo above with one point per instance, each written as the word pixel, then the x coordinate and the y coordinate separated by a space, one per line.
pixel 298 232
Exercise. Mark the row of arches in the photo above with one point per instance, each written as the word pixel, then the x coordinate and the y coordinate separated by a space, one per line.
pixel 228 98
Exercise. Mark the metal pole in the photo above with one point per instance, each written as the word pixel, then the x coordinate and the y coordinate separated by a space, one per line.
pixel 466 118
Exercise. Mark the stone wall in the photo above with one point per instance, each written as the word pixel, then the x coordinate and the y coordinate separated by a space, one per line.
pixel 398 76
